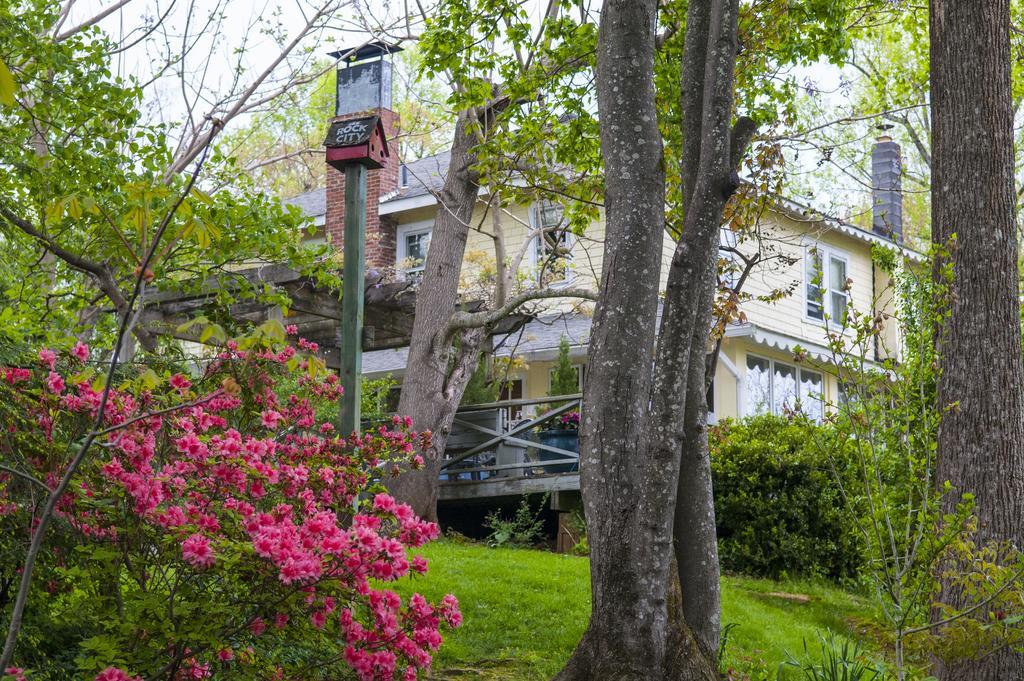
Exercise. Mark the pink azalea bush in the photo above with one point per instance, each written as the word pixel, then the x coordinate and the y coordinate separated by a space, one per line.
pixel 218 527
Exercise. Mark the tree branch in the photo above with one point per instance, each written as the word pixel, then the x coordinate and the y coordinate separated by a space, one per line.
pixel 88 22
pixel 467 320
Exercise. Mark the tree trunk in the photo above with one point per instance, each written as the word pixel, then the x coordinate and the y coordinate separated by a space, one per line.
pixel 628 488
pixel 981 384
pixel 438 371
pixel 711 155
pixel 695 533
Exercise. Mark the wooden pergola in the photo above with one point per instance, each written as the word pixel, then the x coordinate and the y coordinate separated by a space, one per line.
pixel 389 309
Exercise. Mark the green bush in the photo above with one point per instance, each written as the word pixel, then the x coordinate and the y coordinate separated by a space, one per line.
pixel 779 509
pixel 481 388
pixel 522 530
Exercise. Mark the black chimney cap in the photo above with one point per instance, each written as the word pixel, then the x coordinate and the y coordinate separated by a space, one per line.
pixel 378 48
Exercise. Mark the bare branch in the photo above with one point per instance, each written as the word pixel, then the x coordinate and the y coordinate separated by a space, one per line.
pixel 467 320
pixel 88 22
pixel 262 163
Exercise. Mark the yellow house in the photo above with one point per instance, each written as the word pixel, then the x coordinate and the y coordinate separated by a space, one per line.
pixel 825 266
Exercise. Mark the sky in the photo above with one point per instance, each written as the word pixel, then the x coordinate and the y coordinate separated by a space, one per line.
pixel 243 36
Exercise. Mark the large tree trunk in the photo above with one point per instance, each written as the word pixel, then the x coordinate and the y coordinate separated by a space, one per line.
pixel 438 370
pixel 628 488
pixel 711 156
pixel 981 435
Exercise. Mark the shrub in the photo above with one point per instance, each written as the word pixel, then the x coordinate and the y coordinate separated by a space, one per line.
pixel 839 659
pixel 522 530
pixel 214 529
pixel 375 397
pixel 778 506
pixel 481 389
pixel 565 377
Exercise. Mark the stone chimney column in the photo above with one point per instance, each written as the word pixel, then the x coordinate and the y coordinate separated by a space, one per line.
pixel 886 189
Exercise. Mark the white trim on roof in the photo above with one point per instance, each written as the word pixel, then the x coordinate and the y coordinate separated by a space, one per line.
pixel 576 351
pixel 778 341
pixel 800 212
pixel 391 206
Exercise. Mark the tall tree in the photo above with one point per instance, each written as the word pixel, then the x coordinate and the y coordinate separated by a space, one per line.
pixel 629 518
pixel 646 620
pixel 981 381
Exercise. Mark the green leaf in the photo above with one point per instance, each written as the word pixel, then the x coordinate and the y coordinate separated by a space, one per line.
pixel 7 85
pixel 74 208
pixel 182 328
pixel 273 329
pixel 149 379
pixel 215 331
pixel 84 375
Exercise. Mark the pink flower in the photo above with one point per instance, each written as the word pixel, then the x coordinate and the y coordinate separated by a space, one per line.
pixel 196 551
pixel 384 502
pixel 258 626
pixel 55 383
pixel 197 670
pixel 180 383
pixel 450 611
pixel 319 618
pixel 225 654
pixel 270 418
pixel 291 329
pixel 17 672
pixel 80 351
pixel 115 674
pixel 48 357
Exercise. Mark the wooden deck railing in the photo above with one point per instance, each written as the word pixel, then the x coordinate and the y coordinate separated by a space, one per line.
pixel 486 442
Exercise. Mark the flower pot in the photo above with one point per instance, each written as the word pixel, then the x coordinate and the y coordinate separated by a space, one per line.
pixel 562 438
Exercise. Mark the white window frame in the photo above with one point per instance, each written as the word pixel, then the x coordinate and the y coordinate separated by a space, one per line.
pixel 401 253
pixel 536 247
pixel 727 238
pixel 827 286
pixel 580 376
pixel 747 411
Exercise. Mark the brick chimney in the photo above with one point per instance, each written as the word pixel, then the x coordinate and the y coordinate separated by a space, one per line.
pixel 886 187
pixel 364 88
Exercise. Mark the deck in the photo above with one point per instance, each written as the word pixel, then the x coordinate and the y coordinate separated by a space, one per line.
pixel 511 448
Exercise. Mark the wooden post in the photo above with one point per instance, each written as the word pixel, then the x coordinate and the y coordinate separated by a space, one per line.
pixel 352 296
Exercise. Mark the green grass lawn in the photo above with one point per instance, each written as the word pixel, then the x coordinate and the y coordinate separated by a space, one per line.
pixel 525 610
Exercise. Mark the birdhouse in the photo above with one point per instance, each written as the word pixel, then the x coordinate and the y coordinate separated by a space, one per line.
pixel 359 140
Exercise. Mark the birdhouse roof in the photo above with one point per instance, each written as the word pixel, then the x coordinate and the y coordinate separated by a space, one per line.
pixel 377 48
pixel 353 132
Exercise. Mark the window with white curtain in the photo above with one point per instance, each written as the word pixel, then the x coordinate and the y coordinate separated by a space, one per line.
pixel 782 388
pixel 825 286
pixel 413 244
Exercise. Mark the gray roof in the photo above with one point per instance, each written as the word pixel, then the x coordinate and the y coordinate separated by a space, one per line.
pixel 379 362
pixel 312 203
pixel 423 177
pixel 540 337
